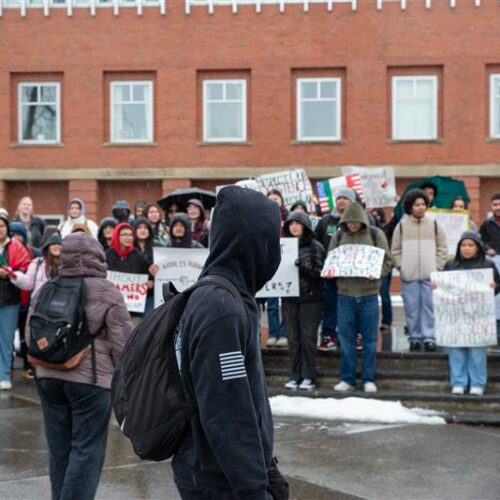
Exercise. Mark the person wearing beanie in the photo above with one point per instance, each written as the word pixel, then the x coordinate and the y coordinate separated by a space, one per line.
pixel 196 212
pixel 105 233
pixel 121 211
pixel 76 216
pixel 419 248
pixel 13 257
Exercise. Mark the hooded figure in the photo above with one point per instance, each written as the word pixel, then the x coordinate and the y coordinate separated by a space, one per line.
pixel 105 233
pixel 121 211
pixel 198 226
pixel 185 241
pixel 76 216
pixel 232 403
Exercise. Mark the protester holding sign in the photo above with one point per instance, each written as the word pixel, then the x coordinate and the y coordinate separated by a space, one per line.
pixel 468 365
pixel 302 314
pixel 460 204
pixel 419 247
pixel 358 300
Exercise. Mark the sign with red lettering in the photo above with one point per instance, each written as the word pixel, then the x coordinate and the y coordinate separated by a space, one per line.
pixel 133 288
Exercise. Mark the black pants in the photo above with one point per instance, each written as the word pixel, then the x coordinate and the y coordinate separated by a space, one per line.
pixel 301 323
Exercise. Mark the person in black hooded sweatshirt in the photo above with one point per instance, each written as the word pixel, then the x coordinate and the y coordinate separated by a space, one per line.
pixel 228 450
pixel 181 235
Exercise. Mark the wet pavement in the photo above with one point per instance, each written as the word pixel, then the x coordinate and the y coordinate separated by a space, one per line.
pixel 323 460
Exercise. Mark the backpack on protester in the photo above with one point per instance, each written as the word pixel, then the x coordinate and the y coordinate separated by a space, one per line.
pixel 151 392
pixel 59 333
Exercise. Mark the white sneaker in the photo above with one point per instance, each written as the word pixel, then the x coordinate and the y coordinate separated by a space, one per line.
pixel 5 385
pixel 457 390
pixel 370 387
pixel 271 341
pixel 476 391
pixel 343 387
pixel 282 342
pixel 307 385
pixel 292 385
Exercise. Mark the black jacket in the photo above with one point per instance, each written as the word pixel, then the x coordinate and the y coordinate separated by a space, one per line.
pixel 230 443
pixel 37 227
pixel 326 228
pixel 187 240
pixel 310 262
pixel 490 234
pixel 134 263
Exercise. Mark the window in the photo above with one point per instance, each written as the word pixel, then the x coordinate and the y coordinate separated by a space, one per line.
pixel 495 106
pixel 132 112
pixel 318 109
pixel 224 111
pixel 414 108
pixel 39 113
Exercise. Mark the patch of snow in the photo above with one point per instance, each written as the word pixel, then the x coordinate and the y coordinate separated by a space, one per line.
pixel 352 409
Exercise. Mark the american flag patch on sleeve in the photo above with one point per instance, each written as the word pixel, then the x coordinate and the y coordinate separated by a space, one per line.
pixel 232 365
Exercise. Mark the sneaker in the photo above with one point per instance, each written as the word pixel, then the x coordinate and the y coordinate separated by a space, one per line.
pixel 5 385
pixel 457 390
pixel 343 387
pixel 282 342
pixel 292 385
pixel 370 387
pixel 415 346
pixel 430 346
pixel 27 374
pixel 359 342
pixel 271 342
pixel 328 344
pixel 385 329
pixel 307 385
pixel 476 391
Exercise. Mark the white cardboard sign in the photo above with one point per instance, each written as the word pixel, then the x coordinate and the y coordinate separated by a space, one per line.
pixel 354 261
pixel 132 287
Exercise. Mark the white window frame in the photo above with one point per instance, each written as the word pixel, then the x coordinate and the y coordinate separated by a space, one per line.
pixel 434 80
pixel 493 78
pixel 337 98
pixel 20 88
pixel 150 125
pixel 244 101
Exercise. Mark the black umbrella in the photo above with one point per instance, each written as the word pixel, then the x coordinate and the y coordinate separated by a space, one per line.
pixel 181 196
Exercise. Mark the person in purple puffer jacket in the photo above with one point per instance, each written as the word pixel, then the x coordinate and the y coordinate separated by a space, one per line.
pixel 76 411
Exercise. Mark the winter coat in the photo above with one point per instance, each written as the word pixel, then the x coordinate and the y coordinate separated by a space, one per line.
pixel 34 230
pixel 198 228
pixel 490 234
pixel 107 315
pixel 326 228
pixel 15 253
pixel 106 222
pixel 187 241
pixel 419 248
pixel 33 279
pixel 134 263
pixel 230 441
pixel 310 261
pixel 360 287
pixel 66 227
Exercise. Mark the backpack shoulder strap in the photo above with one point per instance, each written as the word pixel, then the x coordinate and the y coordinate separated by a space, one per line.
pixel 435 229
pixel 373 234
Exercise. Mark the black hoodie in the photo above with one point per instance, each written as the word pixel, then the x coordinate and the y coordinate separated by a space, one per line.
pixel 230 442
pixel 187 240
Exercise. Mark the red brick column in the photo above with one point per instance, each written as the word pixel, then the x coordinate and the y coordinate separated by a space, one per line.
pixel 168 185
pixel 3 195
pixel 473 185
pixel 88 192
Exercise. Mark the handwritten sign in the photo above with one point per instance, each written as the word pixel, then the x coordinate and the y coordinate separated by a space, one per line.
pixel 379 185
pixel 496 260
pixel 132 287
pixel 454 223
pixel 354 261
pixel 183 267
pixel 464 308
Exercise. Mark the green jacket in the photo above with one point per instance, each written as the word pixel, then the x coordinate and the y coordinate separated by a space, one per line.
pixel 360 287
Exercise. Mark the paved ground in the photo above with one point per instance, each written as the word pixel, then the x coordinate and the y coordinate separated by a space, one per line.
pixel 324 460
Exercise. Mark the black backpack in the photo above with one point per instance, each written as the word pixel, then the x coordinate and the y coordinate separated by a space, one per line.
pixel 152 397
pixel 59 334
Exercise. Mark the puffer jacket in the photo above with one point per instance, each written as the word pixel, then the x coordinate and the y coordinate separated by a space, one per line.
pixel 34 278
pixel 17 256
pixel 310 261
pixel 107 315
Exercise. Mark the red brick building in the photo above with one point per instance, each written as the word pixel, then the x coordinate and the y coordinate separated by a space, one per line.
pixel 129 99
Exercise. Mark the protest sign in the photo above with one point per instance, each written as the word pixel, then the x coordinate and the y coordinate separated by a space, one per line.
pixel 378 183
pixel 354 261
pixel 132 287
pixel 183 266
pixel 454 223
pixel 496 260
pixel 327 190
pixel 464 308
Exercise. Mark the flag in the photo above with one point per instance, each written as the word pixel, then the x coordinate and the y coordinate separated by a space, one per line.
pixel 327 190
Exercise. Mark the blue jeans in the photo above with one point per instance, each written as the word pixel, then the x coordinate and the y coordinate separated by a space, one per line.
pixel 76 418
pixel 276 328
pixel 357 314
pixel 468 364
pixel 329 314
pixel 8 325
pixel 419 311
pixel 385 296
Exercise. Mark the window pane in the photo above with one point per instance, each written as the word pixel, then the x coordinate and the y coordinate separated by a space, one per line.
pixel 30 94
pixel 496 86
pixel 234 91
pixel 424 89
pixel 48 93
pixel 404 89
pixel 328 89
pixel 131 122
pixel 319 120
pixel 415 120
pixel 122 93
pixel 214 91
pixel 496 117
pixel 140 92
pixel 39 123
pixel 224 121
pixel 309 90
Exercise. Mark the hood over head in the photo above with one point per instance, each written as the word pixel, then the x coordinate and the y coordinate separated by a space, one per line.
pixel 54 239
pixel 299 217
pixel 82 255
pixel 297 203
pixel 80 202
pixel 121 206
pixel 18 228
pixel 476 237
pixel 186 221
pixel 244 238
pixel 143 220
pixel 354 213
pixel 199 204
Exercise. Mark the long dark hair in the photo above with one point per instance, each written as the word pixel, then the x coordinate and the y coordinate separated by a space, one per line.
pixel 51 263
